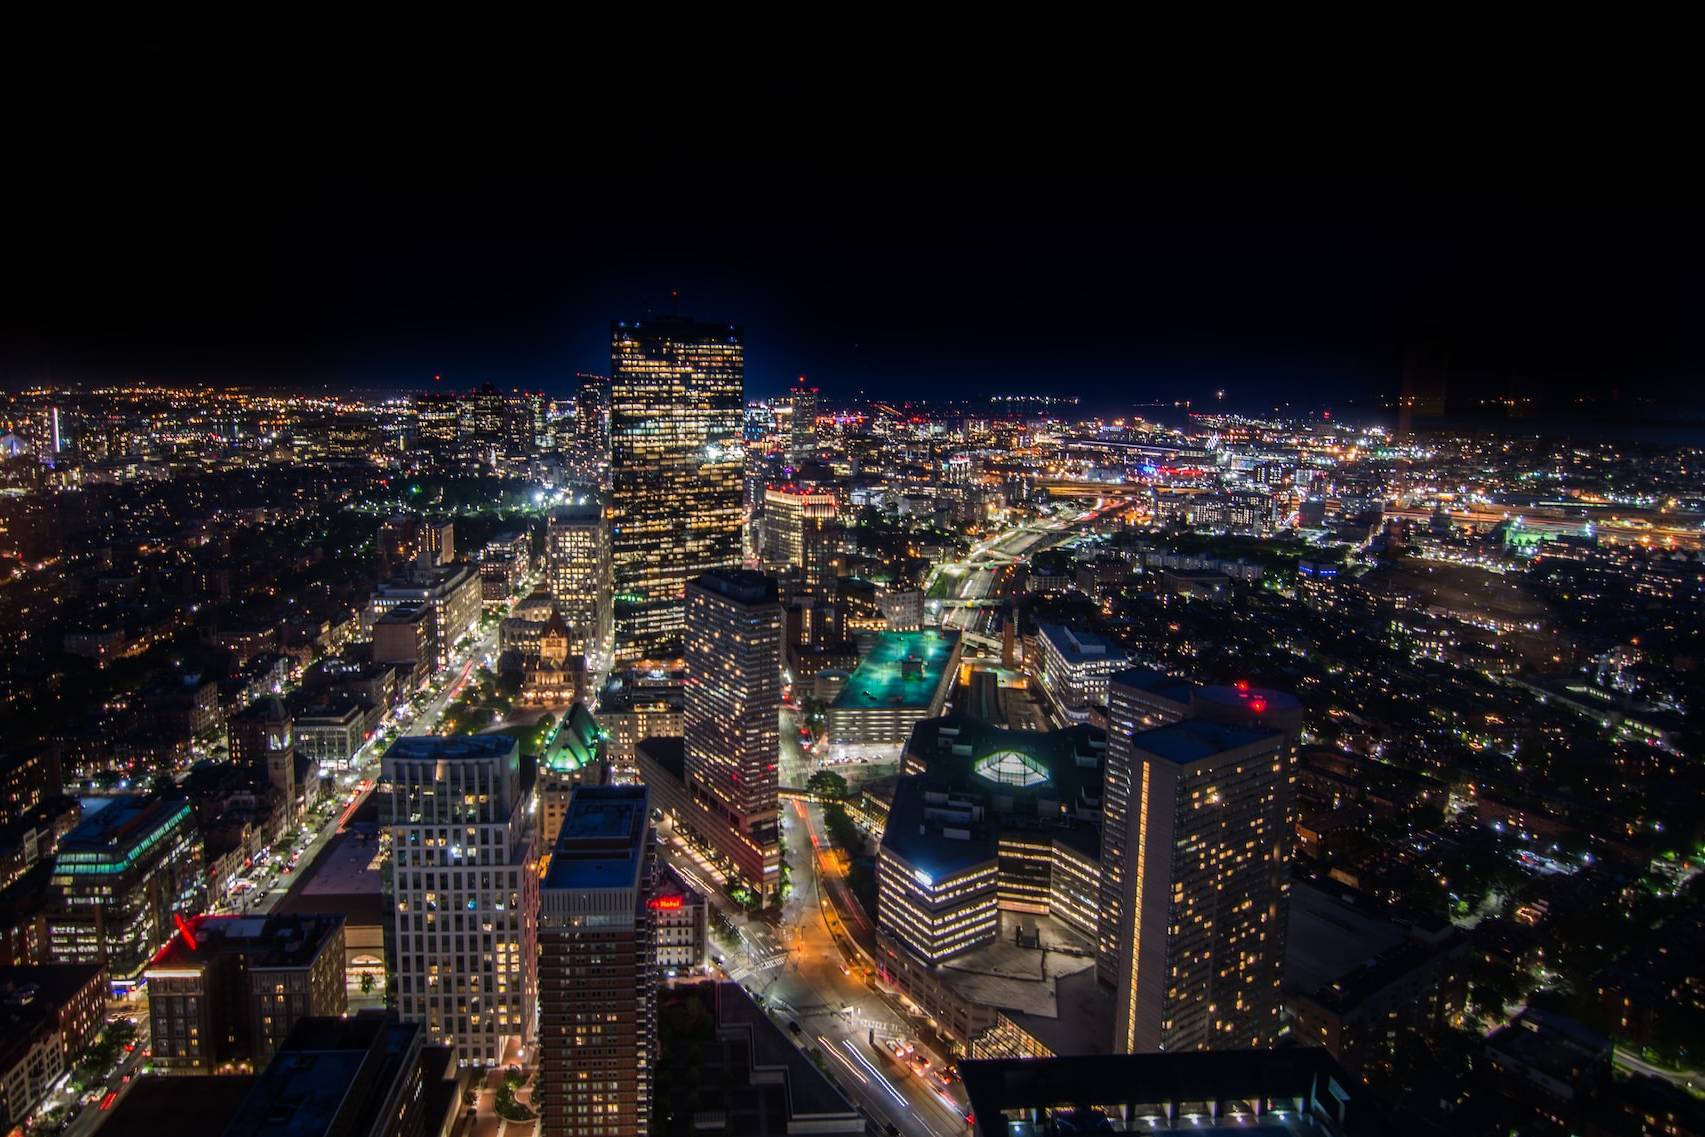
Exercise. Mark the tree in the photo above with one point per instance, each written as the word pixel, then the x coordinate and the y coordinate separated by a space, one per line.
pixel 366 982
pixel 827 783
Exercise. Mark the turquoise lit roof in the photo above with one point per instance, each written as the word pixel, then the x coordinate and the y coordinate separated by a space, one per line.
pixel 884 679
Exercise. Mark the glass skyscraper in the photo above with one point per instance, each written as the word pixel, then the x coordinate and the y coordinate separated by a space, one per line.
pixel 677 388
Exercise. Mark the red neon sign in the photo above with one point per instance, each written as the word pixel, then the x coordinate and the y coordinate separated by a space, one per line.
pixel 666 903
pixel 183 926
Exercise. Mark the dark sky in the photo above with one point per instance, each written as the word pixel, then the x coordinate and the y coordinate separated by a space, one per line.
pixel 1122 291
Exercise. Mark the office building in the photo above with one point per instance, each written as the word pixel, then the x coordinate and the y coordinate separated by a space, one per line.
pixel 676 463
pixel 462 889
pixel 366 1076
pixel 983 820
pixel 118 878
pixel 578 574
pixel 260 740
pixel 1140 699
pixel 1074 668
pixel 597 968
pixel 407 636
pixel 452 594
pixel 1206 898
pixel 226 990
pixel 331 728
pixel 804 442
pixel 638 705
pixel 731 719
pixel 798 524
pixel 592 418
pixel 1299 1091
pixel 49 1017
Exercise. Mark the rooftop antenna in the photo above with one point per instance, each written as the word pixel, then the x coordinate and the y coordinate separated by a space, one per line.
pixel 674 303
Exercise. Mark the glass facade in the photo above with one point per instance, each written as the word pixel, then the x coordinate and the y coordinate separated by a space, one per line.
pixel 677 462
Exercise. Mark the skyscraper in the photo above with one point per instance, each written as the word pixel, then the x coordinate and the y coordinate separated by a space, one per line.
pixel 1206 888
pixel 1137 700
pixel 597 968
pixel 462 890
pixel 798 532
pixel 804 442
pixel 730 719
pixel 577 566
pixel 676 459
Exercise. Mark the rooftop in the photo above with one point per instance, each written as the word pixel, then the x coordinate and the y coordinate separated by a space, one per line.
pixel 576 741
pixel 121 823
pixel 1256 700
pixel 1072 1092
pixel 1193 740
pixel 602 843
pixel 328 1070
pixel 1156 683
pixel 195 1103
pixel 266 941
pixel 1078 646
pixel 437 748
pixel 743 1075
pixel 344 878
pixel 1036 781
pixel 903 669
pixel 740 585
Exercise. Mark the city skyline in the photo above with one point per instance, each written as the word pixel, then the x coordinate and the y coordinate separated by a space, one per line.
pixel 1315 294
pixel 1185 658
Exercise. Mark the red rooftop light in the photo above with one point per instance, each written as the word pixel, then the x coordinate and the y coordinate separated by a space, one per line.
pixel 1258 705
pixel 1243 686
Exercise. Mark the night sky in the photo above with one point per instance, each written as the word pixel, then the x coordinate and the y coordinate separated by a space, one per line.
pixel 1122 292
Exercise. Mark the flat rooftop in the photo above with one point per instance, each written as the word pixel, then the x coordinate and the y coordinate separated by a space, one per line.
pixel 1078 646
pixel 267 941
pixel 1025 981
pixel 1077 1094
pixel 121 821
pixel 344 878
pixel 1246 697
pixel 1194 739
pixel 1155 683
pixel 902 670
pixel 602 843
pixel 437 748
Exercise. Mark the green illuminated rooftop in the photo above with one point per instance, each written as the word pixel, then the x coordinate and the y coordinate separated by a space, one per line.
pixel 902 670
pixel 574 744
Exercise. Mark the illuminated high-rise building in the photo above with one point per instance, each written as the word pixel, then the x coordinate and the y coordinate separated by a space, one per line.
pixel 804 442
pixel 798 528
pixel 597 968
pixel 730 719
pixel 578 573
pixel 462 891
pixel 592 417
pixel 1137 700
pixel 676 460
pixel 1206 893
